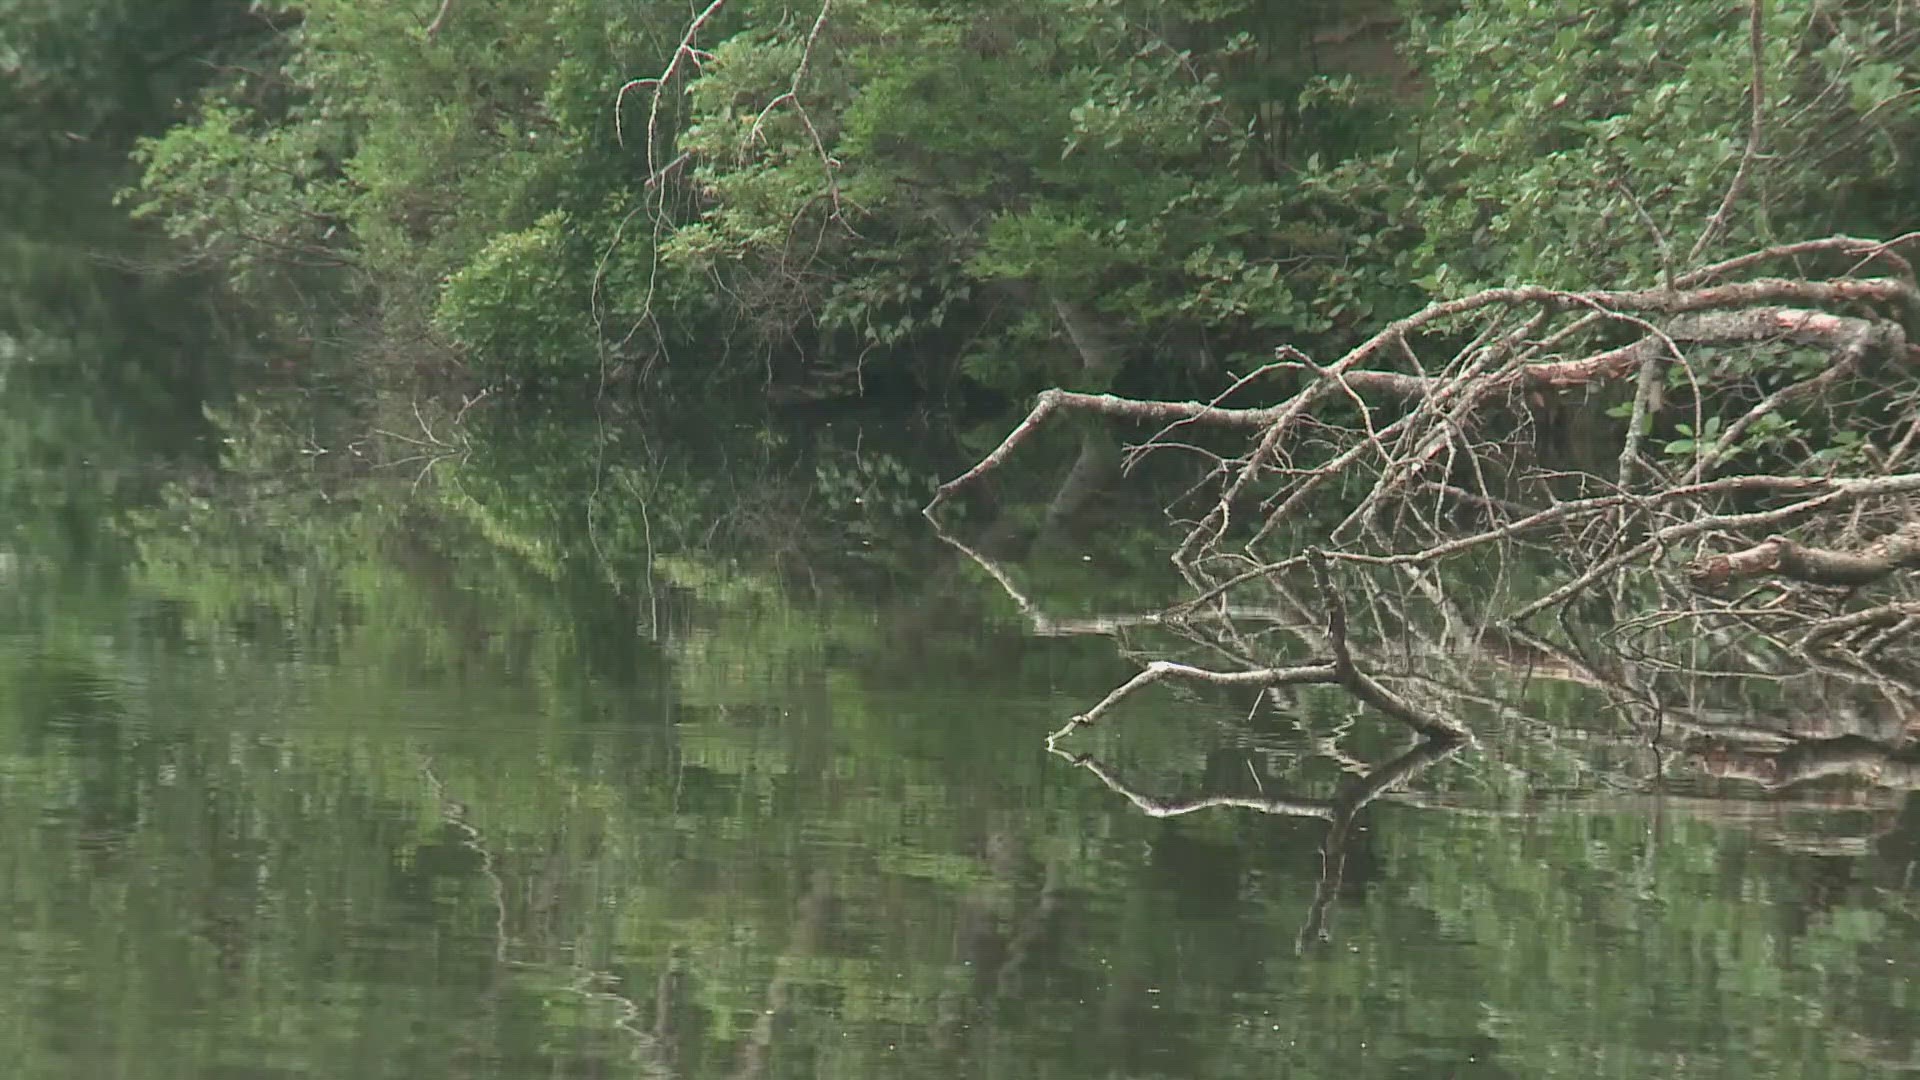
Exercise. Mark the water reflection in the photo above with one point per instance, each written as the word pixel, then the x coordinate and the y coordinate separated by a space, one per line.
pixel 432 791
pixel 1823 742
pixel 580 754
pixel 1340 812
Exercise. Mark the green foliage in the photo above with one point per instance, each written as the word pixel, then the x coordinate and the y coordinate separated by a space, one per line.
pixel 1689 443
pixel 243 197
pixel 1586 145
pixel 100 71
pixel 516 307
pixel 990 163
pixel 1140 193
pixel 427 164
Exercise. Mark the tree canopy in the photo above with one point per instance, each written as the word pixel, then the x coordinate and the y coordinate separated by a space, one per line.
pixel 928 195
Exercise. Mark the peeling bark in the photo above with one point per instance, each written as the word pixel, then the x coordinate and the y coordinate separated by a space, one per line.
pixel 1408 455
pixel 1899 550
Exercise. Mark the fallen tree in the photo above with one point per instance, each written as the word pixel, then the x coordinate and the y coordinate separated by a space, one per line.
pixel 1762 434
pixel 1804 736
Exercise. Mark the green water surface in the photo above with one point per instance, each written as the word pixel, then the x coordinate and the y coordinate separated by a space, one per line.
pixel 564 744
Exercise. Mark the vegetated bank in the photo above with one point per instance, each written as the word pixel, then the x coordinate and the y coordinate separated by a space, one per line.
pixel 937 197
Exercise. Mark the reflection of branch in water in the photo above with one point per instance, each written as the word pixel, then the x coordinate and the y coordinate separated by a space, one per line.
pixel 1340 812
pixel 997 931
pixel 1355 793
pixel 1342 669
pixel 454 814
pixel 810 925
pixel 1162 807
pixel 1777 767
pixel 1032 928
pixel 587 983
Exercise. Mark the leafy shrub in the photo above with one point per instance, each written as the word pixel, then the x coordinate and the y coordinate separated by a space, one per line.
pixel 518 310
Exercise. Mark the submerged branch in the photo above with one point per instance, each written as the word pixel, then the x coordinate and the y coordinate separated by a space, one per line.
pixel 1358 682
pixel 1769 421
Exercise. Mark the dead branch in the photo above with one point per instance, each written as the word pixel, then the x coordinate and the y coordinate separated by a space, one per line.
pixel 684 54
pixel 1756 129
pixel 1899 550
pixel 439 19
pixel 1116 408
pixel 1833 494
pixel 1827 630
pixel 1416 454
pixel 1853 247
pixel 1261 678
pixel 828 163
pixel 1763 319
pixel 1358 682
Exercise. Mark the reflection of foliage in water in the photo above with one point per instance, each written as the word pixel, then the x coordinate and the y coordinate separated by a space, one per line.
pixel 382 775
pixel 101 377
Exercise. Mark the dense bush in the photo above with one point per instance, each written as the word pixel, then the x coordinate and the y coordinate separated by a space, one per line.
pixel 1097 192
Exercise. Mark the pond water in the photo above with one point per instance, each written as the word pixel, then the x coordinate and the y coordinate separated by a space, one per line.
pixel 346 741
